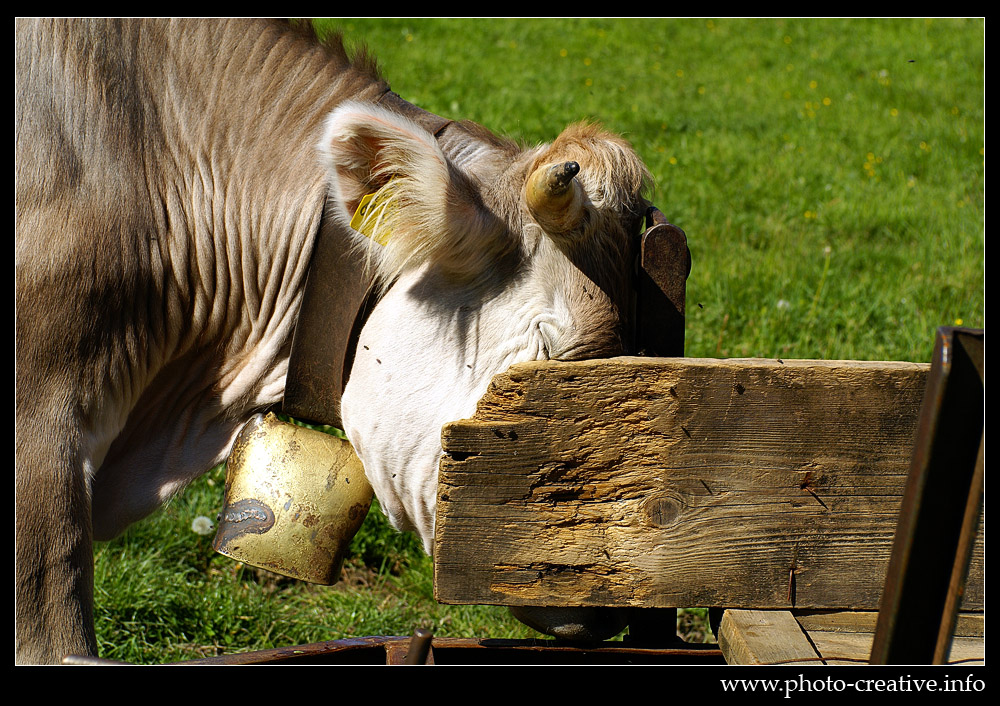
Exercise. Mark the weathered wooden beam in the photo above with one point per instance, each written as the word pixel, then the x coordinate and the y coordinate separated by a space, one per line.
pixel 664 482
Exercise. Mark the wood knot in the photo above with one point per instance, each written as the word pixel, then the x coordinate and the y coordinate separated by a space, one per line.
pixel 662 512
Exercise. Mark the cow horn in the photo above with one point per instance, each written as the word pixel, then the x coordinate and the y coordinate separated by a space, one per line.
pixel 554 198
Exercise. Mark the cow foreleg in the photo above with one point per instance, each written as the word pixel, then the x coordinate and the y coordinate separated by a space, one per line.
pixel 54 570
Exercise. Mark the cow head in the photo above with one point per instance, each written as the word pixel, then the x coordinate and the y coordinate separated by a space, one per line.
pixel 489 255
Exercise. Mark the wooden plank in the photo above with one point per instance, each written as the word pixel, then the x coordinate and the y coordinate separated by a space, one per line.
pixel 967 625
pixel 754 637
pixel 664 482
pixel 846 638
pixel 764 637
pixel 842 647
pixel 967 651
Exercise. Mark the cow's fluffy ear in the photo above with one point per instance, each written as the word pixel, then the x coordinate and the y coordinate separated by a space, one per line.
pixel 415 205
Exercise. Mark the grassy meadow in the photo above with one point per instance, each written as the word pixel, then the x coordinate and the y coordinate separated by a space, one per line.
pixel 829 175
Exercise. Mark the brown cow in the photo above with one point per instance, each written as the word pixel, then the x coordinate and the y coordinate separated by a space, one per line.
pixel 168 193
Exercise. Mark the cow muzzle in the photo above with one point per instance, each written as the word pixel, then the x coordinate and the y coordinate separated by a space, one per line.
pixel 294 498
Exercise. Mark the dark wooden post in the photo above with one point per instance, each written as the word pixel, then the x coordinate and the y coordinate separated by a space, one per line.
pixel 940 510
pixel 664 265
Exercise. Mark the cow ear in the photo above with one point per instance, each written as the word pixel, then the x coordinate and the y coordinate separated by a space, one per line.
pixel 390 180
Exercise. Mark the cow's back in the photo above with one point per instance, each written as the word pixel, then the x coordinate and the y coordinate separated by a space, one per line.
pixel 167 194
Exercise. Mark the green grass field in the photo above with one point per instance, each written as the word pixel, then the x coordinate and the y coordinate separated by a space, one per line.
pixel 829 175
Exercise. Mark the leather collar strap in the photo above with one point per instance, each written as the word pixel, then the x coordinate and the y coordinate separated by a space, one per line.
pixel 318 371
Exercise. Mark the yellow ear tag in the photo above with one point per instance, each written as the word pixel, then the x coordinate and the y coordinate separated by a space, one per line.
pixel 369 214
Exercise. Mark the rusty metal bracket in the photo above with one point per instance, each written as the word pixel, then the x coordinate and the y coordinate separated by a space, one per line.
pixel 664 265
pixel 942 504
pixel 419 648
pixel 389 650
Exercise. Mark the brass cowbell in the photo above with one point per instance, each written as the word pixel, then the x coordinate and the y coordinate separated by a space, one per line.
pixel 294 499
